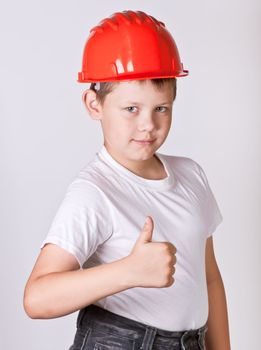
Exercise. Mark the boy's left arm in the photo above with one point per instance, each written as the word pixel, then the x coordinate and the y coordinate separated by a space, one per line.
pixel 217 335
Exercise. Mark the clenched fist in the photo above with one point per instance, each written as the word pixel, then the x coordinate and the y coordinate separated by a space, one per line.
pixel 151 264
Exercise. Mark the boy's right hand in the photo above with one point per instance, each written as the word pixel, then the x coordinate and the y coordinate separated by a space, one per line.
pixel 151 263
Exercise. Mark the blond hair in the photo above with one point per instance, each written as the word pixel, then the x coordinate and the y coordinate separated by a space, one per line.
pixel 106 87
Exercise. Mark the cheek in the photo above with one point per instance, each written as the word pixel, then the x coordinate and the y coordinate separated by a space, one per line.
pixel 164 123
pixel 167 122
pixel 126 125
pixel 120 128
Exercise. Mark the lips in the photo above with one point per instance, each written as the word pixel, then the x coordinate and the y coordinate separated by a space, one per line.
pixel 144 142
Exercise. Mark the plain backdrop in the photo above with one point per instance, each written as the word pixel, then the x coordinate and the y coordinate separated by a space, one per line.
pixel 47 137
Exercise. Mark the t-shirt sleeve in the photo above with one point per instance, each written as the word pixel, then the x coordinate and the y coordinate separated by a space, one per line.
pixel 81 222
pixel 212 211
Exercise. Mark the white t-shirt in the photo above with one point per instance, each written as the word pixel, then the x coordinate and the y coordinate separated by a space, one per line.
pixel 103 213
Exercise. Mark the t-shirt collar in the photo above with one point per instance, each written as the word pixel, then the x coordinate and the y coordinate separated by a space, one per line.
pixel 161 184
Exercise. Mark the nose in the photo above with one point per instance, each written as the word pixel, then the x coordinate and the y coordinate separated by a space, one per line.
pixel 146 122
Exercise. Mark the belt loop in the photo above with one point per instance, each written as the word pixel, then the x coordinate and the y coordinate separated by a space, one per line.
pixel 201 337
pixel 202 330
pixel 182 340
pixel 148 339
pixel 80 317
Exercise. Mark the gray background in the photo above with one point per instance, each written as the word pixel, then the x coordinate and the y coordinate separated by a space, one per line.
pixel 47 137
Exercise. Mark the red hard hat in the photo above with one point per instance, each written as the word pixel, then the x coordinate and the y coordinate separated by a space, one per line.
pixel 130 45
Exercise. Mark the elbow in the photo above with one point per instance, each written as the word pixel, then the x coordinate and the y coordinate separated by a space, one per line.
pixel 29 306
pixel 33 306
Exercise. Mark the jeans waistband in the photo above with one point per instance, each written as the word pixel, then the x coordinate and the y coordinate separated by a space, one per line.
pixel 94 312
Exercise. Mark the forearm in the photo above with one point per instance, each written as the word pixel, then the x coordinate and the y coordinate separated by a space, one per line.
pixel 217 336
pixel 61 293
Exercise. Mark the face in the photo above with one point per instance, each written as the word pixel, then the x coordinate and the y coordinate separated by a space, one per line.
pixel 134 112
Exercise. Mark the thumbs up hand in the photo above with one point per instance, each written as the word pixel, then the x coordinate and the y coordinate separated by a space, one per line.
pixel 151 264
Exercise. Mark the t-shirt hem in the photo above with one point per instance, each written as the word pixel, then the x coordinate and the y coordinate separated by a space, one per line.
pixel 67 246
pixel 213 228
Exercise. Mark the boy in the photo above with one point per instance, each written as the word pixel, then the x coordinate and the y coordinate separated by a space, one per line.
pixel 131 295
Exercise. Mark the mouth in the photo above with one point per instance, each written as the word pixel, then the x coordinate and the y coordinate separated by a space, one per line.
pixel 144 142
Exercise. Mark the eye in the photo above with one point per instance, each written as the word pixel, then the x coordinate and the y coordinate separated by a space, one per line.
pixel 163 109
pixel 130 109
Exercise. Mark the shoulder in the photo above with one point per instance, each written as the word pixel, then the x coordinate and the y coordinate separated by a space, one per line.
pixel 83 206
pixel 85 189
pixel 182 163
pixel 88 183
pixel 85 194
pixel 187 170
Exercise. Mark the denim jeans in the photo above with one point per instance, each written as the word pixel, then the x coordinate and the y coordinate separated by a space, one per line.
pixel 100 329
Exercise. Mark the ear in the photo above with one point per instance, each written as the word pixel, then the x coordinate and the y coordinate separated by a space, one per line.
pixel 91 103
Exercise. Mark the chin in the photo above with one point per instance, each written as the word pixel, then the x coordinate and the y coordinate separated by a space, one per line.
pixel 145 155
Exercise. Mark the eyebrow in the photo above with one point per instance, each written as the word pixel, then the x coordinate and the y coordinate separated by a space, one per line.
pixel 138 103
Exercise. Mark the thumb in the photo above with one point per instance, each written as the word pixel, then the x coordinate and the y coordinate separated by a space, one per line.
pixel 147 231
